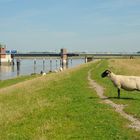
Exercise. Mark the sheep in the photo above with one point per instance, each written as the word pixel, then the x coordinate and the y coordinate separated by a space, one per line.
pixel 60 69
pixel 42 73
pixel 128 83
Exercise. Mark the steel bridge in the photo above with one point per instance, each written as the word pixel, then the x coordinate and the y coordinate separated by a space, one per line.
pixel 77 55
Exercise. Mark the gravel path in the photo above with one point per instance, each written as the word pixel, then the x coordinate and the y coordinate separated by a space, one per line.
pixel 135 123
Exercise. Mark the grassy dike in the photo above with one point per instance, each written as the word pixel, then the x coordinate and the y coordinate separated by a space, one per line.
pixel 9 82
pixel 126 67
pixel 59 106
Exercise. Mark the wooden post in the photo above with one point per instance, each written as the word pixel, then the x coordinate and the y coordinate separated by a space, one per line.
pixel 85 59
pixel 43 64
pixel 71 62
pixel 18 67
pixel 56 64
pixel 50 65
pixel 34 66
pixel 60 63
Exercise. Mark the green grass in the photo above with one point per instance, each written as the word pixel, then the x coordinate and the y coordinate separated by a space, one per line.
pixel 131 99
pixel 12 81
pixel 60 107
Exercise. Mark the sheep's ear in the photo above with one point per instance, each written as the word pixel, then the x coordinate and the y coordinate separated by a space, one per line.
pixel 108 71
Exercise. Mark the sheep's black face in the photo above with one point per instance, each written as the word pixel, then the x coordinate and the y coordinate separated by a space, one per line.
pixel 105 73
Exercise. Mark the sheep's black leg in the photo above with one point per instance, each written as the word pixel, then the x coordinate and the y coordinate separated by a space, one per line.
pixel 118 93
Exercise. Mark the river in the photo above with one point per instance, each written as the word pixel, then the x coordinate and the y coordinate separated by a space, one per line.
pixel 28 66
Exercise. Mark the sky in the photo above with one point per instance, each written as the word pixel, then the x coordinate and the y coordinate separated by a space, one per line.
pixel 78 25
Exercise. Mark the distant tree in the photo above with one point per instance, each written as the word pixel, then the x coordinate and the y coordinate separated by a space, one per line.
pixel 138 52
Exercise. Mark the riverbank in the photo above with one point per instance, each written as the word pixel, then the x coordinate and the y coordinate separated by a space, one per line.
pixel 59 106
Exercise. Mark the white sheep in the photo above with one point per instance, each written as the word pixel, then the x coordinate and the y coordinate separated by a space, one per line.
pixel 60 69
pixel 42 73
pixel 128 83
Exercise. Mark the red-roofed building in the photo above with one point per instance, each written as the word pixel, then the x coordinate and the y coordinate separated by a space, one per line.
pixel 5 58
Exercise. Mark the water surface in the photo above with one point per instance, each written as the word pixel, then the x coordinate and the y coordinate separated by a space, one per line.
pixel 28 66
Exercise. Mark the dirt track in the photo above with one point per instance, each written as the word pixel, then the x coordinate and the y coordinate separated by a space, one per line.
pixel 135 123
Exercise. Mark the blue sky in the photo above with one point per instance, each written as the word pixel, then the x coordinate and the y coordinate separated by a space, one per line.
pixel 78 25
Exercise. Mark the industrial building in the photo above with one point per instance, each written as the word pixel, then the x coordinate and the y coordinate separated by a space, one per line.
pixel 5 56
